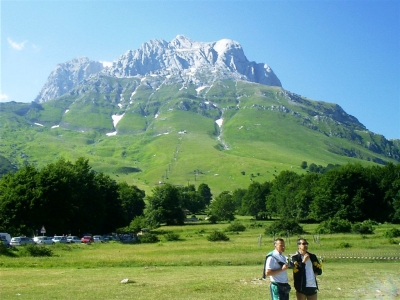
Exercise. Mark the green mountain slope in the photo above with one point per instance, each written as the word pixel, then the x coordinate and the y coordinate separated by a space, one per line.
pixel 168 132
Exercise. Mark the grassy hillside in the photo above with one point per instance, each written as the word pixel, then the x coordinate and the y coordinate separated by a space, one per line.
pixel 168 132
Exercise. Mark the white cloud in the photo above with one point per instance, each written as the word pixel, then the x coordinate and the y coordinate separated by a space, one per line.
pixel 3 97
pixel 15 45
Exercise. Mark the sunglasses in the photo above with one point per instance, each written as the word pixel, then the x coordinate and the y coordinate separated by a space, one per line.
pixel 303 244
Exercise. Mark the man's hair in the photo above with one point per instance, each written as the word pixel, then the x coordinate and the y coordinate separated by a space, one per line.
pixel 300 239
pixel 278 240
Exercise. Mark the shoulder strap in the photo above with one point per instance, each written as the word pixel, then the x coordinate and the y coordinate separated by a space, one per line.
pixel 265 262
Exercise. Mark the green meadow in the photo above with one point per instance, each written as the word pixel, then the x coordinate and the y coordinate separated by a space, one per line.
pixel 355 267
pixel 169 134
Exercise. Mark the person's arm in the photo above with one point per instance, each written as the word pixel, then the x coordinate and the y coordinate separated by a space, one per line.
pixel 270 272
pixel 317 267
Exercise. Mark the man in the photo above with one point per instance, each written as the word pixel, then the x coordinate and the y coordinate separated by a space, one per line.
pixel 306 267
pixel 275 267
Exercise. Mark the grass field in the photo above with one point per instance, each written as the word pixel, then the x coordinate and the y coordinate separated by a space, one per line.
pixel 194 268
pixel 264 132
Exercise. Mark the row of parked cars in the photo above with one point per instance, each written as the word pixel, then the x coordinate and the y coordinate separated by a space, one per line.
pixel 47 240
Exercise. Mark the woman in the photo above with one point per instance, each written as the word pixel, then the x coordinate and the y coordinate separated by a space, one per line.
pixel 306 267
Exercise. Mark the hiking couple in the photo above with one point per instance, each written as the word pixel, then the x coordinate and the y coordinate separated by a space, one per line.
pixel 305 267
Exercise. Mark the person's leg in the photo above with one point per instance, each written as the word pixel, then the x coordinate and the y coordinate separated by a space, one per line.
pixel 283 295
pixel 300 296
pixel 274 292
pixel 313 297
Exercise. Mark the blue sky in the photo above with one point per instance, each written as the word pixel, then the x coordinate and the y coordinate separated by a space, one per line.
pixel 338 51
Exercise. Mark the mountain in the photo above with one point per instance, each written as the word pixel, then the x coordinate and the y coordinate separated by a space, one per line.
pixel 66 76
pixel 182 60
pixel 184 112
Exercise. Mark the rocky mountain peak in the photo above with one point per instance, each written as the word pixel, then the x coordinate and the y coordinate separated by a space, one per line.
pixel 181 42
pixel 182 59
pixel 66 76
pixel 190 60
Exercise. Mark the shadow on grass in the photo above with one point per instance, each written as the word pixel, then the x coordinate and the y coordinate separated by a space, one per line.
pixel 7 251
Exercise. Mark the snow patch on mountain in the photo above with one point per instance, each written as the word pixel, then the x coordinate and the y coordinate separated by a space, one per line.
pixel 116 119
pixel 199 89
pixel 106 64
pixel 111 133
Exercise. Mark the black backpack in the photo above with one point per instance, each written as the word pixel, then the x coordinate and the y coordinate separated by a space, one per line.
pixel 266 257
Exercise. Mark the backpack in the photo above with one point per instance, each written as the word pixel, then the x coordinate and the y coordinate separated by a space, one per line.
pixel 266 257
pixel 290 266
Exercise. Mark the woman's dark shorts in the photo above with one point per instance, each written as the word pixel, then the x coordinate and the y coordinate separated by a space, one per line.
pixel 308 291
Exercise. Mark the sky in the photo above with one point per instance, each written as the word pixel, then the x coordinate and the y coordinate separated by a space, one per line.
pixel 338 51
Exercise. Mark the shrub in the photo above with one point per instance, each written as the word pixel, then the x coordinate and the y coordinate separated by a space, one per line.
pixel 392 233
pixel 217 236
pixel 344 245
pixel 255 225
pixel 137 224
pixel 236 226
pixel 171 236
pixel 5 250
pixel 283 226
pixel 334 225
pixel 149 238
pixel 200 232
pixel 363 227
pixel 36 251
pixel 212 219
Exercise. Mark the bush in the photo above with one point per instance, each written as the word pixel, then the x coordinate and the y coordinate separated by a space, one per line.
pixel 256 225
pixel 137 224
pixel 5 250
pixel 149 238
pixel 283 226
pixel 35 250
pixel 212 219
pixel 236 226
pixel 170 236
pixel 200 232
pixel 344 245
pixel 217 236
pixel 363 227
pixel 392 233
pixel 334 225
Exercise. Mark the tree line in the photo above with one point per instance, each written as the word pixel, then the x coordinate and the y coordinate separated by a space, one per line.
pixel 66 198
pixel 350 192
pixel 72 198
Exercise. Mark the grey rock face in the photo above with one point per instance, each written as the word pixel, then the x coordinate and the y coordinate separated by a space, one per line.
pixel 66 76
pixel 194 61
pixel 181 60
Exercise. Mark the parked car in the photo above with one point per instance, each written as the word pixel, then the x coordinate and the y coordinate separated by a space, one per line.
pixel 98 239
pixel 5 238
pixel 143 231
pixel 43 240
pixel 59 239
pixel 21 241
pixel 87 239
pixel 73 239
